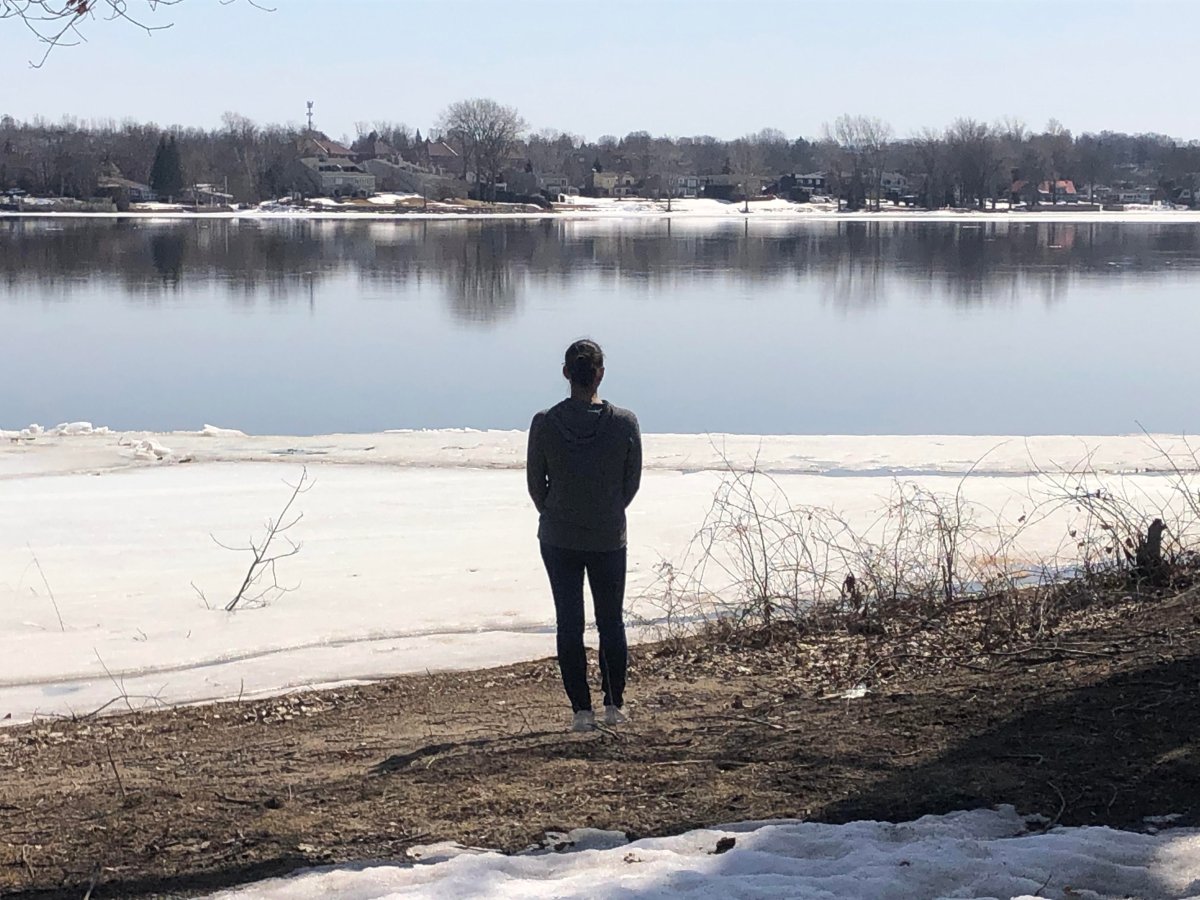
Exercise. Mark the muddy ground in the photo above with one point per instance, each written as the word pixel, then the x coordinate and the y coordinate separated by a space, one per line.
pixel 1099 725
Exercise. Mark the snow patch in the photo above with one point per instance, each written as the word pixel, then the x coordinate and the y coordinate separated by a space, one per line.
pixel 148 449
pixel 982 853
pixel 77 428
pixel 214 431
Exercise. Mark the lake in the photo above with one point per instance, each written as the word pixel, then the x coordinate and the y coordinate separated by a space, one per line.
pixel 308 327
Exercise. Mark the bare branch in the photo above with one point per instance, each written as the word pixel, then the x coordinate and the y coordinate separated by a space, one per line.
pixel 58 23
pixel 49 590
pixel 261 580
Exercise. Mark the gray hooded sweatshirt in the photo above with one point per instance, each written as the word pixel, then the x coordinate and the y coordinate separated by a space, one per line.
pixel 584 466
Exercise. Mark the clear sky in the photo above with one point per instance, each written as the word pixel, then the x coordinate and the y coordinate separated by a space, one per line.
pixel 593 67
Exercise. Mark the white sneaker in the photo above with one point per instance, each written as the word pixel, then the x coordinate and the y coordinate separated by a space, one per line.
pixel 614 715
pixel 585 720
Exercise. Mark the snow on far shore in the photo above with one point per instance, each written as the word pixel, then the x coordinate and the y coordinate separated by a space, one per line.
pixel 575 208
pixel 978 854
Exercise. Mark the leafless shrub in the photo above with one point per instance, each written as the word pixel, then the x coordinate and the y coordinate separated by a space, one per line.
pixel 933 573
pixel 260 585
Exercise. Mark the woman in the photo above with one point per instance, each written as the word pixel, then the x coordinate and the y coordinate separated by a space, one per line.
pixel 584 466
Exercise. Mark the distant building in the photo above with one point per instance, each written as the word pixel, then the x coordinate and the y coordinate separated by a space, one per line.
pixel 555 185
pixel 114 186
pixel 601 184
pixel 1144 195
pixel 1060 191
pixel 686 186
pixel 443 158
pixel 339 178
pixel 205 195
pixel 318 146
pixel 626 186
pixel 813 182
pixel 893 183
pixel 332 170
pixel 732 186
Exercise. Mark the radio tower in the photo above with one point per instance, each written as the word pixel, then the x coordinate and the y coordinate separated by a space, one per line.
pixel 310 106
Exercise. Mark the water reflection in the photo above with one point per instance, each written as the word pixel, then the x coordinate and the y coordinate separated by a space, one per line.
pixel 482 267
pixel 746 326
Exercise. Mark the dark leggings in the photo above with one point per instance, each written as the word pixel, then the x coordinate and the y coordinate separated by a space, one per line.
pixel 606 577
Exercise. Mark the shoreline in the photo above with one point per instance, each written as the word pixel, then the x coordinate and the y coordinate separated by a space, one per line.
pixel 773 215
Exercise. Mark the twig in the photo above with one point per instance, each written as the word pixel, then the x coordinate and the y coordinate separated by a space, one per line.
pixel 204 598
pixel 263 561
pixel 749 719
pixel 1062 804
pixel 116 771
pixel 238 800
pixel 118 685
pixel 92 883
pixel 49 591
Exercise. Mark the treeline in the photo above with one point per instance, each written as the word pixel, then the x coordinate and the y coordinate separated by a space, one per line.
pixel 968 163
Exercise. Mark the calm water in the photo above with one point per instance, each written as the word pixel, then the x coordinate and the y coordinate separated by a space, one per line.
pixel 311 327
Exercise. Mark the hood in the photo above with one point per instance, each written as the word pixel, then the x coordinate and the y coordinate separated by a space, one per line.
pixel 580 423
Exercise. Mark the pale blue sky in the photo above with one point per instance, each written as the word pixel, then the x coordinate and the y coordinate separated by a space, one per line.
pixel 722 67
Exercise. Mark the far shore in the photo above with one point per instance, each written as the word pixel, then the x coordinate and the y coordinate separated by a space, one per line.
pixel 636 210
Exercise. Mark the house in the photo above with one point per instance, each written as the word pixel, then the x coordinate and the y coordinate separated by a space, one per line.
pixel 729 186
pixel 114 186
pixel 555 185
pixel 206 195
pixel 331 170
pixel 686 186
pixel 1143 195
pixel 318 146
pixel 1185 196
pixel 893 184
pixel 601 184
pixel 813 182
pixel 683 187
pixel 375 148
pixel 625 186
pixel 339 178
pixel 442 157
pixel 1060 191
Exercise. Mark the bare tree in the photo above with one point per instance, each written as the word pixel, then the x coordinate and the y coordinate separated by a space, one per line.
pixel 875 136
pixel 930 151
pixel 746 160
pixel 972 150
pixel 487 133
pixel 863 142
pixel 1058 153
pixel 61 23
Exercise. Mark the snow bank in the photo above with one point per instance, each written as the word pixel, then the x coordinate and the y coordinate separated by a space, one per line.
pixel 984 853
pixel 419 549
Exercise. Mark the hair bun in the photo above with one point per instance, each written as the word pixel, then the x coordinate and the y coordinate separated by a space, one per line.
pixel 584 359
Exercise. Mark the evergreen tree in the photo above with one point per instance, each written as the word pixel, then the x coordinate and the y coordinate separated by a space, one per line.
pixel 166 174
pixel 156 170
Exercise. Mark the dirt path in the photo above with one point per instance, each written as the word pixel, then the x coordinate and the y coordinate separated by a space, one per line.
pixel 1102 727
